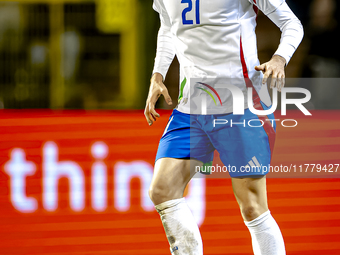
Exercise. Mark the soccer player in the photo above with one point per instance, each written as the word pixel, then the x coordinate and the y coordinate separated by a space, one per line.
pixel 217 39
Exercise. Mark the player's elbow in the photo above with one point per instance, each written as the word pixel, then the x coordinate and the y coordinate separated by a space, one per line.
pixel 293 29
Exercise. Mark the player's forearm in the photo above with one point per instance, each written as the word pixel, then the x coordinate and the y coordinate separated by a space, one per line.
pixel 165 52
pixel 291 28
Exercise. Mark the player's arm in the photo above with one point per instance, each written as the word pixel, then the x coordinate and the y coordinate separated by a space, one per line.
pixel 292 34
pixel 164 57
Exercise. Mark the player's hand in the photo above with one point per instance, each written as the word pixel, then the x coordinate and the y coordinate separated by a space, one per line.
pixel 276 68
pixel 157 88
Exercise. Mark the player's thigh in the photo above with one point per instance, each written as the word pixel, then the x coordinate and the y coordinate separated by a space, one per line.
pixel 171 175
pixel 251 195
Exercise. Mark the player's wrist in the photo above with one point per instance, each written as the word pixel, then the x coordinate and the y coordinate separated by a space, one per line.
pixel 280 59
pixel 156 77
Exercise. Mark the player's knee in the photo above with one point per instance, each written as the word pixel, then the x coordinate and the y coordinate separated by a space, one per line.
pixel 151 194
pixel 156 195
pixel 250 212
pixel 159 194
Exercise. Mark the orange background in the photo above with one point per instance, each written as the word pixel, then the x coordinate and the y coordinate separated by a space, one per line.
pixel 306 209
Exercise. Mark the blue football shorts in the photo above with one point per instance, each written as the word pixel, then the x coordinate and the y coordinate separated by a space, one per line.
pixel 244 142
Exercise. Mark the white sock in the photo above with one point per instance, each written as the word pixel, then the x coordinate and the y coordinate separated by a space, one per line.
pixel 266 235
pixel 180 227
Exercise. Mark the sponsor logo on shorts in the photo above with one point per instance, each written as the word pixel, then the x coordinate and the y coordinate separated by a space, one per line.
pixel 253 163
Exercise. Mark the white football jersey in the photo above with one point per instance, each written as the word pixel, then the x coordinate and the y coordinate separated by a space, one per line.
pixel 216 39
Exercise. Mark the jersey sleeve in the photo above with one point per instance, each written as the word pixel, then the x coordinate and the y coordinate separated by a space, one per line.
pixel 267 6
pixel 165 50
pixel 283 17
pixel 291 28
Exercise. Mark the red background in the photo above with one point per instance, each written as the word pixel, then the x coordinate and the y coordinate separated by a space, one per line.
pixel 307 210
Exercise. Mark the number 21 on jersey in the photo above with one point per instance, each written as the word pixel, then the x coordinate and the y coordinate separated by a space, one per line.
pixel 189 9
